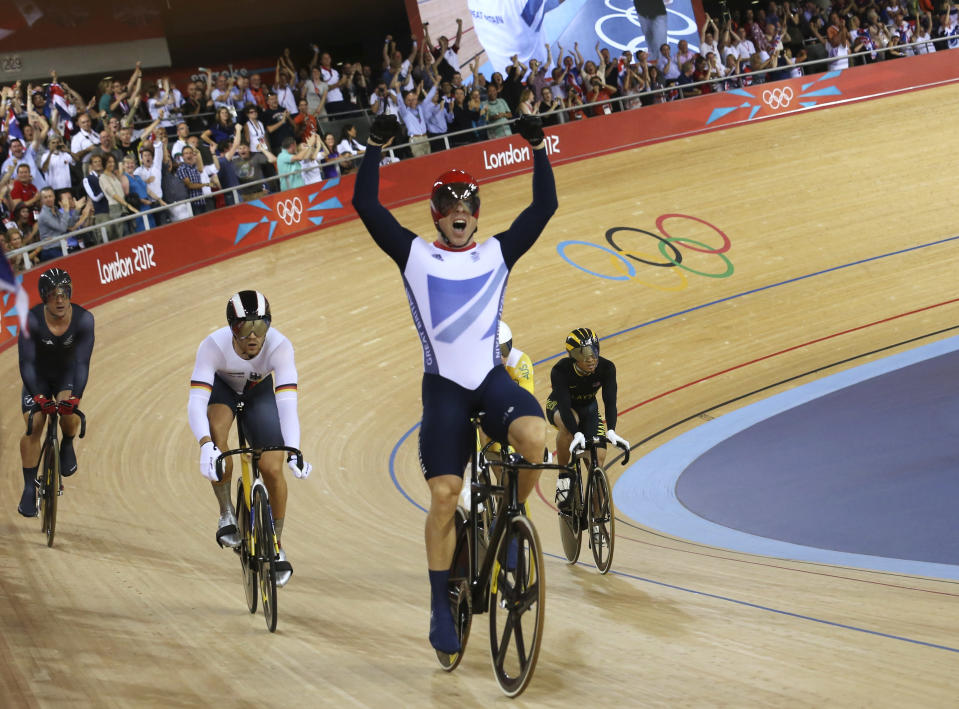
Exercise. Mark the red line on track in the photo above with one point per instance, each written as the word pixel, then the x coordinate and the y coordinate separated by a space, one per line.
pixel 549 502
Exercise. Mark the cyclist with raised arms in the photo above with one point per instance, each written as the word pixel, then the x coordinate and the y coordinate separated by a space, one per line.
pixel 54 366
pixel 572 407
pixel 455 287
pixel 234 364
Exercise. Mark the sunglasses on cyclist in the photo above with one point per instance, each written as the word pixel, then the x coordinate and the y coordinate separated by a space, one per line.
pixel 447 197
pixel 586 352
pixel 244 328
pixel 59 292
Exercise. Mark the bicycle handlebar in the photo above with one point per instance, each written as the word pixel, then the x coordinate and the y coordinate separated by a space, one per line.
pixel 35 411
pixel 239 451
pixel 583 451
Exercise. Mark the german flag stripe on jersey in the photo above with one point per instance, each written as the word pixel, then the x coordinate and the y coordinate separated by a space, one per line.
pixel 200 385
pixel 285 387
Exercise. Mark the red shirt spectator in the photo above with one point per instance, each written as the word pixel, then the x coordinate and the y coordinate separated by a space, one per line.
pixel 23 189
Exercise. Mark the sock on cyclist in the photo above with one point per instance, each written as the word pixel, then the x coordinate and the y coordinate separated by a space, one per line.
pixel 278 530
pixel 442 626
pixel 68 457
pixel 222 492
pixel 28 500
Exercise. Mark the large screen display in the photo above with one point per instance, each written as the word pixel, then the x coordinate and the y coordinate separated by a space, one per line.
pixel 495 30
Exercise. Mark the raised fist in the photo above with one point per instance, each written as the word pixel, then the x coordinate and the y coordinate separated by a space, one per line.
pixel 531 128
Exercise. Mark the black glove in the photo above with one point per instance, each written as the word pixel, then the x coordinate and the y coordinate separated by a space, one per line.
pixel 383 129
pixel 531 128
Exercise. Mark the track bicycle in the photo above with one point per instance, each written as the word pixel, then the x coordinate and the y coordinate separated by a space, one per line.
pixel 258 547
pixel 497 568
pixel 589 508
pixel 49 485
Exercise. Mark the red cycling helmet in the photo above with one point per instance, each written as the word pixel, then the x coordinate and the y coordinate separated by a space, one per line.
pixel 450 188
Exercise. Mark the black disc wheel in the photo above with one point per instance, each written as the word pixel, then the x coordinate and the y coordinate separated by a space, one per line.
pixel 461 603
pixel 517 601
pixel 265 551
pixel 600 520
pixel 248 565
pixel 50 490
pixel 570 530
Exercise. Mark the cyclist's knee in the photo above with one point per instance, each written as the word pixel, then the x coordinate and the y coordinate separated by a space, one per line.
pixel 528 436
pixel 444 493
pixel 271 465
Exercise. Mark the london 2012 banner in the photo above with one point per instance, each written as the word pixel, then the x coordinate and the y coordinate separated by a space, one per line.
pixel 496 30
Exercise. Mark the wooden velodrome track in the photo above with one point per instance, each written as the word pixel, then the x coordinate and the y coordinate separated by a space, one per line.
pixel 136 605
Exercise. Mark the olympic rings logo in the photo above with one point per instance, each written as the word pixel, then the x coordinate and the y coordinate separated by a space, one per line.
pixel 778 98
pixel 289 210
pixel 671 248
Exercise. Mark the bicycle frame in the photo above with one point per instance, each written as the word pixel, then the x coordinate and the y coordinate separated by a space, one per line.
pixel 584 490
pixel 480 572
pixel 47 498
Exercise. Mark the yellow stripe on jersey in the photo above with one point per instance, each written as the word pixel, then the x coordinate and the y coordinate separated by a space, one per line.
pixel 200 385
pixel 520 370
pixel 286 387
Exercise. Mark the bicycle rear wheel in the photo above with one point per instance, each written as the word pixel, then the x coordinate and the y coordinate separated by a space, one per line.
pixel 50 490
pixel 570 529
pixel 517 603
pixel 248 565
pixel 461 602
pixel 266 555
pixel 600 519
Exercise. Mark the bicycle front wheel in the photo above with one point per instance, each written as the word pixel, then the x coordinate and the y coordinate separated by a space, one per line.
pixel 600 519
pixel 517 603
pixel 248 565
pixel 266 555
pixel 50 490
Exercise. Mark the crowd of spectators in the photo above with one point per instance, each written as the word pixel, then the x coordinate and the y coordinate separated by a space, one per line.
pixel 67 162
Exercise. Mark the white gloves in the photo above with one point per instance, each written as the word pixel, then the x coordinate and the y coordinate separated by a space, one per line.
pixel 617 440
pixel 296 467
pixel 579 442
pixel 208 455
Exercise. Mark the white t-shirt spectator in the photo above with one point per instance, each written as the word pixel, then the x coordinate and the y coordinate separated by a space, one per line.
pixel 350 145
pixel 177 149
pixel 840 52
pixel 58 170
pixel 286 99
pixel 745 49
pixel 208 170
pixel 153 176
pixel 331 76
pixel 311 172
pixel 82 141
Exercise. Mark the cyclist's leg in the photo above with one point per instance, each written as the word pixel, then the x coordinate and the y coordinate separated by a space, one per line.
pixel 30 456
pixel 514 415
pixel 446 439
pixel 69 427
pixel 261 426
pixel 220 413
pixel 563 437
